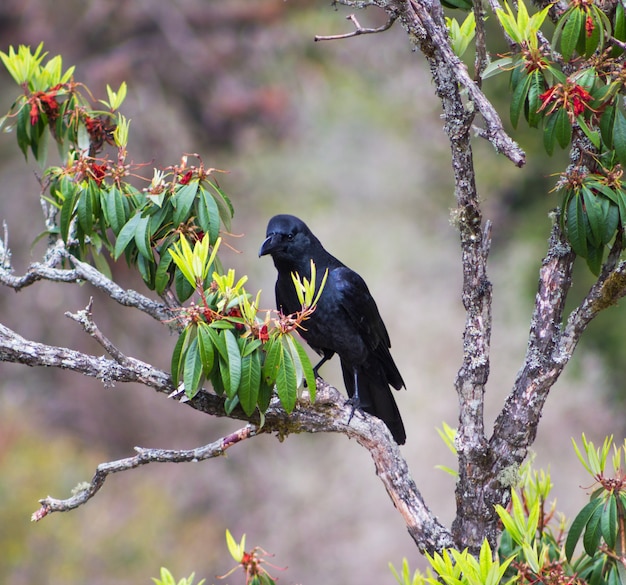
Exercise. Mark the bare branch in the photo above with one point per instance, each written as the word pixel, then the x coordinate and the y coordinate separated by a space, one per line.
pixel 85 318
pixel 359 30
pixel 84 492
pixel 48 270
pixel 330 413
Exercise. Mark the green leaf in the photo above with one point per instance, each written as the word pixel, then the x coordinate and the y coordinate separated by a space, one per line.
pixel 518 100
pixel 23 129
pixel 578 525
pixel 183 200
pixel 593 532
pixel 162 277
pixel 183 289
pixel 70 193
pixel 595 255
pixel 576 233
pixel 114 209
pixel 84 210
pixel 619 137
pixel 535 89
pixel 223 203
pixel 549 135
pixel 611 220
pixel 192 374
pixel 607 121
pixel 594 39
pixel 208 214
pixel 206 348
pixel 142 238
pixel 608 522
pixel 562 128
pixel 307 369
pixel 272 349
pixel 571 32
pixel 595 217
pixel 234 363
pixel 250 381
pixel 126 235
pixel 179 350
pixel 286 384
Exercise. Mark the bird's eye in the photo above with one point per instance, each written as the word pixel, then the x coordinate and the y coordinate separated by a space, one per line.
pixel 290 236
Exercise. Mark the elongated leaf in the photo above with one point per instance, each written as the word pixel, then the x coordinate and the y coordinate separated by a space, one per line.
pixel 571 32
pixel 595 256
pixel 250 382
pixel 183 289
pixel 206 348
pixel 611 220
pixel 192 374
pixel 223 203
pixel 621 204
pixel 162 277
pixel 183 201
pixel 608 522
pixel 286 385
pixel 142 238
pixel 179 350
pixel 218 341
pixel 234 362
pixel 272 361
pixel 535 89
pixel 562 128
pixel 307 368
pixel 114 209
pixel 67 210
pixel 597 34
pixel 549 135
pixel 594 216
pixel 23 129
pixel 84 210
pixel 578 525
pixel 576 226
pixel 619 137
pixel 265 395
pixel 126 235
pixel 518 100
pixel 208 214
pixel 593 532
pixel 607 121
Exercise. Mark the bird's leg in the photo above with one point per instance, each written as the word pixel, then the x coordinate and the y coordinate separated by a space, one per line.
pixel 319 364
pixel 354 400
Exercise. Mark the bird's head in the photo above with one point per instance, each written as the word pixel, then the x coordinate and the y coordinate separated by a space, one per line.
pixel 288 240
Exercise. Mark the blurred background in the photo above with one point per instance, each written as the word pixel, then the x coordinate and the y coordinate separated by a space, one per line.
pixel 348 136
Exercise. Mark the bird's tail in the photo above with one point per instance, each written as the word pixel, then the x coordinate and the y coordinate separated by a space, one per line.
pixel 375 396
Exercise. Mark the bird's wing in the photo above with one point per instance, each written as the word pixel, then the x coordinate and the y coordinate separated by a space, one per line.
pixel 357 302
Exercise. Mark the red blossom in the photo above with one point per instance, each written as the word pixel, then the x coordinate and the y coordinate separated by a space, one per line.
pixel 589 26
pixel 98 172
pixel 263 334
pixel 184 180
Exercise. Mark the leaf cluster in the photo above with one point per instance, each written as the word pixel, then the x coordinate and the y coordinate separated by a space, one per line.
pixel 574 86
pixel 226 342
pixel 100 212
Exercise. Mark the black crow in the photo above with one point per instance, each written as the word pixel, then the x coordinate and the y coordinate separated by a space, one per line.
pixel 346 321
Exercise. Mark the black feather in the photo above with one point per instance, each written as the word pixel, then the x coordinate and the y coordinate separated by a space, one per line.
pixel 346 321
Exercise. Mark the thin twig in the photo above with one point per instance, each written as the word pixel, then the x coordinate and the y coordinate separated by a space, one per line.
pixel 85 318
pixel 358 29
pixel 85 491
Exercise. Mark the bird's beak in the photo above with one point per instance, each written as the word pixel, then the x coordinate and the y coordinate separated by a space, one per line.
pixel 266 246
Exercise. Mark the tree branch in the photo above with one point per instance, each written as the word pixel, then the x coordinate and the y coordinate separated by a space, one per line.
pixel 330 413
pixel 358 29
pixel 85 491
pixel 48 270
